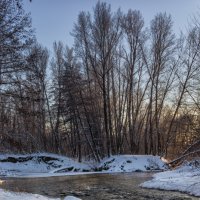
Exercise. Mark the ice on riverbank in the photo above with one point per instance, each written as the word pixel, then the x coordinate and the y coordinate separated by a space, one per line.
pixel 6 195
pixel 45 164
pixel 184 179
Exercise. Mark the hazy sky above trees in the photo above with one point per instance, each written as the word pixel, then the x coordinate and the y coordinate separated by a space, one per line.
pixel 54 19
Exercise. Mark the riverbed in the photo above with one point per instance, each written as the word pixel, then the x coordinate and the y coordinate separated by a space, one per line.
pixel 92 187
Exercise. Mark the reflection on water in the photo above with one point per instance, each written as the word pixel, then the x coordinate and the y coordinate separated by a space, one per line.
pixel 92 186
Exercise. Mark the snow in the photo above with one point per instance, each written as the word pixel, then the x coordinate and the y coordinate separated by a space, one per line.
pixel 185 178
pixel 132 163
pixel 38 164
pixel 45 164
pixel 71 198
pixel 6 195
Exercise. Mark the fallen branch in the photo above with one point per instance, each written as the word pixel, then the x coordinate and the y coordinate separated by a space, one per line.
pixel 191 146
pixel 174 162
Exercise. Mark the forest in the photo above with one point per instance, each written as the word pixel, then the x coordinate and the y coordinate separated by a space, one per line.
pixel 124 87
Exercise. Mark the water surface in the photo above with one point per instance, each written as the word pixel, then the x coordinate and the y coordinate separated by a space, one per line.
pixel 93 187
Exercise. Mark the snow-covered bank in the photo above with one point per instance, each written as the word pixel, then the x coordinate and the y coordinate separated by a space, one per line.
pixel 40 163
pixel 45 164
pixel 6 195
pixel 184 179
pixel 132 163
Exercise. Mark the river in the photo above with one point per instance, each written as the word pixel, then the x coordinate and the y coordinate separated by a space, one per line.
pixel 92 187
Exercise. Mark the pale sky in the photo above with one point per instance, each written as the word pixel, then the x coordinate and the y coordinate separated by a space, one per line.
pixel 54 19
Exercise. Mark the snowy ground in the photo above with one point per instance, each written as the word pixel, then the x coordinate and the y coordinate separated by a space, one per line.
pixel 6 195
pixel 39 165
pixel 184 179
pixel 132 163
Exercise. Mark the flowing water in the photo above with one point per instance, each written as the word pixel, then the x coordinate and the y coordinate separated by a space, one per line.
pixel 92 187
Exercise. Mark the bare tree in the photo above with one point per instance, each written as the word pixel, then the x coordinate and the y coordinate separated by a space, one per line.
pixel 98 39
pixel 189 69
pixel 161 71
pixel 132 26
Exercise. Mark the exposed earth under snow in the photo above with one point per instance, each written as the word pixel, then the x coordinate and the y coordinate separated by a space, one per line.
pixel 185 178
